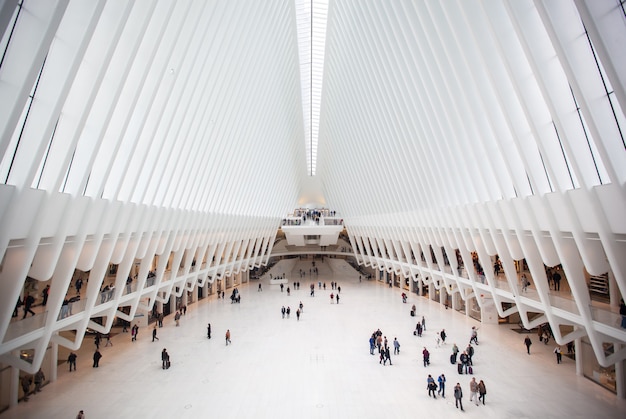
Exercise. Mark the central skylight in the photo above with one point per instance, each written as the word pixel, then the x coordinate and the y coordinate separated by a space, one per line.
pixel 311 18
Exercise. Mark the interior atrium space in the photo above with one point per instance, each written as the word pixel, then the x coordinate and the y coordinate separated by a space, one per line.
pixel 166 165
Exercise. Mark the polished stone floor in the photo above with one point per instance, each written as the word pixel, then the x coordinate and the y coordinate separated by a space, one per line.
pixel 317 367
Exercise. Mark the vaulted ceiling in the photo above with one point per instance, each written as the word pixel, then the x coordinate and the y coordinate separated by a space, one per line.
pixel 129 129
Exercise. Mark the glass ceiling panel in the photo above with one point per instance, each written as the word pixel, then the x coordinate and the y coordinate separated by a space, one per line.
pixel 311 17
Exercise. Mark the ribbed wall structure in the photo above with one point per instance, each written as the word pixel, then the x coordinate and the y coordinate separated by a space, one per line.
pixel 131 130
pixel 491 128
pixel 173 131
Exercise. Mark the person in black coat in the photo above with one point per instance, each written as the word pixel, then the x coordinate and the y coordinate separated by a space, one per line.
pixel 96 358
pixel 165 358
pixel 208 331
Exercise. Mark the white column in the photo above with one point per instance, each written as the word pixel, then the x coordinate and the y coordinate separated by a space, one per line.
pixel 620 384
pixel 54 365
pixel 15 385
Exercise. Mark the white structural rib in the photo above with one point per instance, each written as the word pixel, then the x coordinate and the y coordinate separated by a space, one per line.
pixel 163 140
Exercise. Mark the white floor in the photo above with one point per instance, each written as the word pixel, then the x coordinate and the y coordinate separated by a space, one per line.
pixel 318 367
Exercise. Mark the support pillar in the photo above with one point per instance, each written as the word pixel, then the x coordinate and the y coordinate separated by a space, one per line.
pixel 54 365
pixel 578 345
pixel 620 379
pixel 15 386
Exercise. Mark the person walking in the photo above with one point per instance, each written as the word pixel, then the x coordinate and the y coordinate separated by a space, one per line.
pixel 332 298
pixel 177 318
pixel 458 396
pixel 337 298
pixel 473 390
pixel 426 356
pixel 443 335
pixel 372 344
pixel 396 346
pixel 283 310
pixel 442 385
pixel 29 300
pixel 108 342
pixel 96 358
pixel 39 379
pixel 474 336
pixel 559 355
pixel 482 391
pixel 165 359
pixel 431 386
pixel 528 342
pixel 71 360
pixel 227 337
pixel 26 381
pixel 298 314
pixel 208 331
pixel 301 307
pixel 154 333
pixel 423 324
pixel 387 355
pixel 80 415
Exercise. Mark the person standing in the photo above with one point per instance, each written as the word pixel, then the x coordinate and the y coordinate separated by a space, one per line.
pixel 396 346
pixel 372 343
pixel 556 278
pixel 525 283
pixel 39 379
pixel 458 396
pixel 227 337
pixel 208 331
pixel 177 318
pixel 559 355
pixel 332 298
pixel 337 298
pixel 96 358
pixel 298 314
pixel 464 361
pixel 442 385
pixel 165 359
pixel 81 415
pixel 622 312
pixel 474 390
pixel 423 324
pixel 283 310
pixel 71 360
pixel 455 352
pixel 288 311
pixel 528 342
pixel 96 340
pixel 426 356
pixel 301 307
pixel 154 333
pixel 482 391
pixel 134 331
pixel 44 294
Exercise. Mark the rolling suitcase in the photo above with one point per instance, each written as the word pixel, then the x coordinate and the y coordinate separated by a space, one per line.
pixel 460 368
pixel 470 370
pixel 453 359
